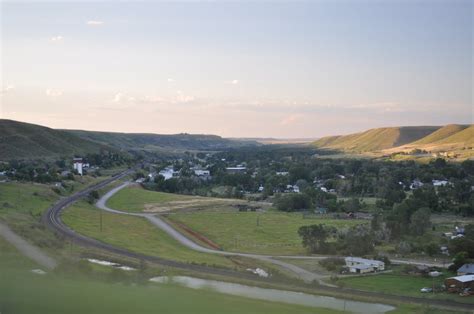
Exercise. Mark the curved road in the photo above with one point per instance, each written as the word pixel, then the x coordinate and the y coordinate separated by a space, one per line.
pixel 52 218
pixel 301 273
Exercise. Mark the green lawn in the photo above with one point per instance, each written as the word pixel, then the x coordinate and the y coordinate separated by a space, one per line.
pixel 137 199
pixel 135 234
pixel 24 292
pixel 25 198
pixel 400 284
pixel 366 200
pixel 134 199
pixel 231 230
pixel 276 233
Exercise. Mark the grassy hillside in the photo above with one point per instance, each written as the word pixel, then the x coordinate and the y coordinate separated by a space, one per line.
pixel 375 139
pixel 20 140
pixel 440 134
pixel 465 136
pixel 160 142
pixel 456 140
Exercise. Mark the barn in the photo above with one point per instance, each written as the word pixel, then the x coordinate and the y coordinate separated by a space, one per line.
pixel 459 283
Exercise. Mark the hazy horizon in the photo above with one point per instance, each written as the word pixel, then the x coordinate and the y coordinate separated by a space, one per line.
pixel 243 70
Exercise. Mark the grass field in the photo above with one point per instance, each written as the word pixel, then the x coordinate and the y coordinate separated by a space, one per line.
pixel 398 284
pixel 137 199
pixel 135 234
pixel 366 200
pixel 24 292
pixel 134 199
pixel 276 233
pixel 25 198
pixel 232 230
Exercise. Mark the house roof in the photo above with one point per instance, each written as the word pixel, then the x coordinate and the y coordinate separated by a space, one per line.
pixel 362 266
pixel 466 268
pixel 360 260
pixel 465 278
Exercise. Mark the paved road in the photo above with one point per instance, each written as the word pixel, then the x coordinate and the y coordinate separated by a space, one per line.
pixel 26 248
pixel 301 273
pixel 52 219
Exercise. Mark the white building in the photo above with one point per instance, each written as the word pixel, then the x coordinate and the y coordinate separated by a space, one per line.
pixel 202 173
pixel 78 165
pixel 363 265
pixel 167 173
pixel 238 169
pixel 292 188
pixel 416 184
pixel 440 182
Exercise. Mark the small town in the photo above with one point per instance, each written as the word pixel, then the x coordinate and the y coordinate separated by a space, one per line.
pixel 237 157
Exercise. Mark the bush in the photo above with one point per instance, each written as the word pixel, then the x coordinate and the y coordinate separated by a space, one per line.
pixel 332 263
pixel 293 202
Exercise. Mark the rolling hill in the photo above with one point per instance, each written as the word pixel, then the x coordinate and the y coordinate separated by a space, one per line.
pixel 160 142
pixel 20 140
pixel 441 134
pixel 375 139
pixel 457 140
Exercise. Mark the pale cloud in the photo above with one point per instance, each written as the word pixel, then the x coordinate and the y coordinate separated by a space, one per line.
pixel 170 80
pixel 94 23
pixel 56 38
pixel 53 92
pixel 234 82
pixel 291 119
pixel 182 98
pixel 7 89
pixel 118 97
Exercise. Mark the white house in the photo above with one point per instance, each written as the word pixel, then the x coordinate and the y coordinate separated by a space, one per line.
pixel 363 265
pixel 440 182
pixel 202 173
pixel 416 184
pixel 167 173
pixel 292 188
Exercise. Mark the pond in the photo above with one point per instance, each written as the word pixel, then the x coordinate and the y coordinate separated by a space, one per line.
pixel 277 295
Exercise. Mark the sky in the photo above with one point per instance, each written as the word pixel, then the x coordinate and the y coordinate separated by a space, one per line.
pixel 279 69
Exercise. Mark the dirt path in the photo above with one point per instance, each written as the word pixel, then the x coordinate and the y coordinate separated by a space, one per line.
pixel 26 248
pixel 299 272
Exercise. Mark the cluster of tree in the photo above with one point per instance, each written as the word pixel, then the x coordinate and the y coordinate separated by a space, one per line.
pixel 107 159
pixel 358 240
pixel 463 248
pixel 45 171
pixel 390 182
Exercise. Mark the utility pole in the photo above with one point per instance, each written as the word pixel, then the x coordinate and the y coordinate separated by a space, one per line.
pixel 100 211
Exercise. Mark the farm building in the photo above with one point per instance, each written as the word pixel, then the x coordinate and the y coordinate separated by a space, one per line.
pixel 459 283
pixel 466 269
pixel 361 269
pixel 363 265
